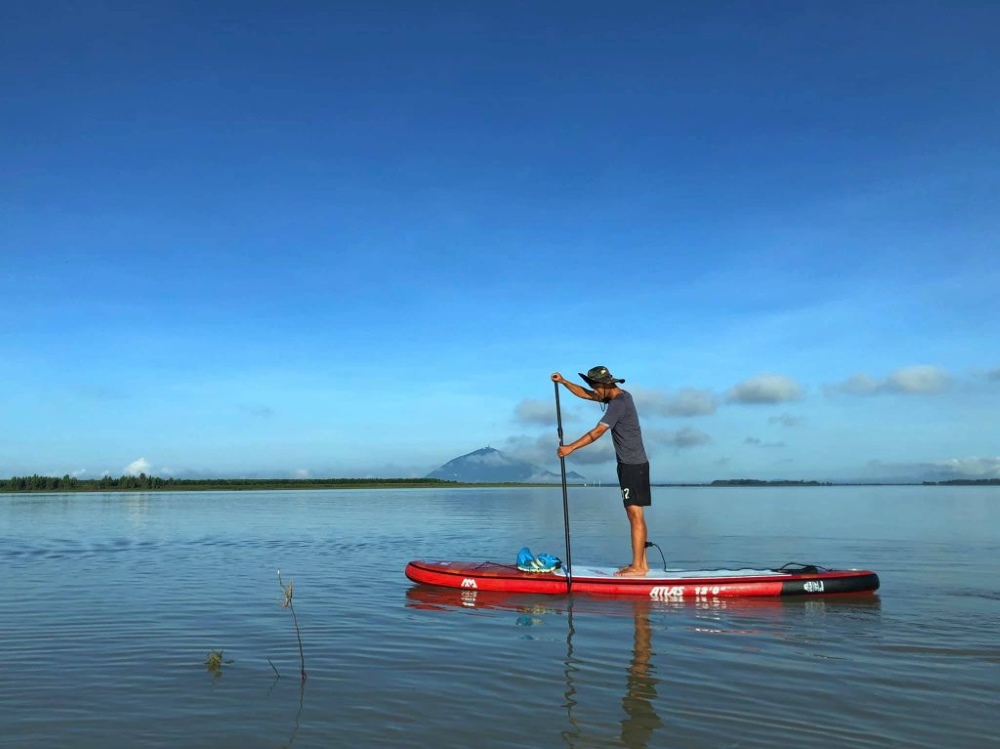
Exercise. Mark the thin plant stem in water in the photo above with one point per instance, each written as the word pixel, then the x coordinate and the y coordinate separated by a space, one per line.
pixel 286 603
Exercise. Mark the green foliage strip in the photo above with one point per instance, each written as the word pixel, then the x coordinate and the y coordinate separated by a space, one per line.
pixel 142 482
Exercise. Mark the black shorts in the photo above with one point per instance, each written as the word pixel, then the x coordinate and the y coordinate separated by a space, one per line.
pixel 634 481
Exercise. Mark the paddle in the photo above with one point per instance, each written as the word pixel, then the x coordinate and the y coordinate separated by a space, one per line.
pixel 562 463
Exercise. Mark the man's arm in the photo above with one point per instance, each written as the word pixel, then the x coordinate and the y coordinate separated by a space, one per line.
pixel 589 438
pixel 578 390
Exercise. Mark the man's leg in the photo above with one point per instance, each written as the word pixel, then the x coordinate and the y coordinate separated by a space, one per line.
pixel 637 524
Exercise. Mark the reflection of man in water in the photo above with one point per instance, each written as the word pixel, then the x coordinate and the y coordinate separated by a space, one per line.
pixel 641 720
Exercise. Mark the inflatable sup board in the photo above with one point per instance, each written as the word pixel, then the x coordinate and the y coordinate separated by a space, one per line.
pixel 667 585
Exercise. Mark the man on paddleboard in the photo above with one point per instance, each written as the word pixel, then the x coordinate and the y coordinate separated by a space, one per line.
pixel 622 419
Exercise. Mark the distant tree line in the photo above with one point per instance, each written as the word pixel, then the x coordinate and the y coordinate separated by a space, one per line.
pixel 143 482
pixel 761 482
pixel 36 483
pixel 964 482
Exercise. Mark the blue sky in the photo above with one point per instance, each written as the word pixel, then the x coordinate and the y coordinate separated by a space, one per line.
pixel 334 239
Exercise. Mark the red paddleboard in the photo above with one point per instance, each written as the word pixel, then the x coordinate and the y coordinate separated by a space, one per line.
pixel 663 585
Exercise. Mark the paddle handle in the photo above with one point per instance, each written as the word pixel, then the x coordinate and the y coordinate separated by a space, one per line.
pixel 565 496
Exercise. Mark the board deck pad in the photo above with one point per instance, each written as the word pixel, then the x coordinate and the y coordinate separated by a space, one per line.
pixel 671 574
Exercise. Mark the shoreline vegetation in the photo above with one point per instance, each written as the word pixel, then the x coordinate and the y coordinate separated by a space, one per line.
pixel 144 483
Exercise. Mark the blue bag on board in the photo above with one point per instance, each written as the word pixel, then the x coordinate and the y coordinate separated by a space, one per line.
pixel 528 562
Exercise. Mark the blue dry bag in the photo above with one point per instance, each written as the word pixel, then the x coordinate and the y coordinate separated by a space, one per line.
pixel 527 562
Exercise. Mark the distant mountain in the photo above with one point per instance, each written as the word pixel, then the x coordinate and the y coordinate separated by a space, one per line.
pixel 492 466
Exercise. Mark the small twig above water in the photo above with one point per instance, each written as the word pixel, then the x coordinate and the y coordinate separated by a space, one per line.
pixel 288 590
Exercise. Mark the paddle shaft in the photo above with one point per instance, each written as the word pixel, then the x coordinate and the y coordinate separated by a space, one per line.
pixel 562 465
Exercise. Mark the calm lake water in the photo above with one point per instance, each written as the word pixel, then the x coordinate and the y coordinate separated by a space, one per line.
pixel 112 603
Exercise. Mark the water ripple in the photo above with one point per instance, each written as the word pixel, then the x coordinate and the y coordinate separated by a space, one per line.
pixel 115 604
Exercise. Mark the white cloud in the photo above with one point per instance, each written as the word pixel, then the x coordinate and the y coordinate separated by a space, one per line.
pixel 541 451
pixel 257 410
pixel 953 468
pixel 538 450
pixel 758 442
pixel 683 402
pixel 602 451
pixel 136 467
pixel 531 411
pixel 921 379
pixel 787 420
pixel 98 393
pixel 973 468
pixel 857 384
pixel 680 439
pixel 765 388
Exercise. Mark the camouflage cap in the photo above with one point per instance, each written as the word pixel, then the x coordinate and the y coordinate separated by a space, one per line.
pixel 599 376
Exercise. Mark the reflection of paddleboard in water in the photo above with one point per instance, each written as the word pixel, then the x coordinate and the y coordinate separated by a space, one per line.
pixel 765 615
pixel 667 585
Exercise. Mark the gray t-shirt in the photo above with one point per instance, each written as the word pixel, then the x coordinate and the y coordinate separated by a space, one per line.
pixel 623 421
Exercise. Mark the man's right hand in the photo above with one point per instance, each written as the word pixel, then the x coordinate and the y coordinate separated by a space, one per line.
pixel 556 377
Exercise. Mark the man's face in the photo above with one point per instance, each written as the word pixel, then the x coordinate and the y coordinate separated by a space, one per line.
pixel 603 391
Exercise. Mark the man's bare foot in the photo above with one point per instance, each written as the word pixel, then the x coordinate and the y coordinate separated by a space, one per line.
pixel 631 571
